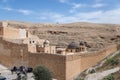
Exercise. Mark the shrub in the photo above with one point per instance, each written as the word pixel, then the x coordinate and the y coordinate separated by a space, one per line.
pixel 109 77
pixel 81 79
pixel 42 73
pixel 112 61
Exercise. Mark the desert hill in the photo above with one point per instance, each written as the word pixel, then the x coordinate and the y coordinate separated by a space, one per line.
pixel 96 35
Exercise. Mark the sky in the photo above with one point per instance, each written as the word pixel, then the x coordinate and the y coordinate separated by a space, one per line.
pixel 61 11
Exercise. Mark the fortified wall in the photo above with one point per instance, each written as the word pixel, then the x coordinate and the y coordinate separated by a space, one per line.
pixel 62 67
pixel 13 54
pixel 78 63
pixel 69 66
pixel 55 63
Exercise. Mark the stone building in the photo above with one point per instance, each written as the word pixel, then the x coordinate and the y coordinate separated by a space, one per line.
pixel 46 48
pixel 11 33
pixel 73 48
pixel 76 48
pixel 60 49
pixel 21 36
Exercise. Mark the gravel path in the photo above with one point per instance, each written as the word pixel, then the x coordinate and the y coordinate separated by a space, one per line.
pixel 101 75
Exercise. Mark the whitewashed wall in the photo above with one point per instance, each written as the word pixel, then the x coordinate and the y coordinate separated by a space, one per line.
pixel 22 33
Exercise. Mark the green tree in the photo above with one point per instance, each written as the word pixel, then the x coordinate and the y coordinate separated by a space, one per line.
pixel 42 73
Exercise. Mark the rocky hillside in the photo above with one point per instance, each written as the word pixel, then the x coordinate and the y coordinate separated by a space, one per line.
pixel 96 35
pixel 107 69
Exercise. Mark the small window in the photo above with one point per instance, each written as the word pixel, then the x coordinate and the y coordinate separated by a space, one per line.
pixel 82 49
pixel 30 42
pixel 33 41
pixel 26 34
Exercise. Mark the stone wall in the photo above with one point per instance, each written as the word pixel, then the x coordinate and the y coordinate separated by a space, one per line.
pixel 78 63
pixel 1 31
pixel 55 63
pixel 10 54
pixel 73 66
pixel 70 66
pixel 11 33
pixel 63 67
pixel 50 49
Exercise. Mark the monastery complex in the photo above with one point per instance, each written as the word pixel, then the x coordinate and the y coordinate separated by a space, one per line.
pixel 20 47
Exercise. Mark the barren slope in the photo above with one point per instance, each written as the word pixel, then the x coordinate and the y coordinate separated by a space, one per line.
pixel 96 35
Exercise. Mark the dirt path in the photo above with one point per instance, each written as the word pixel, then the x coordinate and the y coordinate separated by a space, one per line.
pixel 101 75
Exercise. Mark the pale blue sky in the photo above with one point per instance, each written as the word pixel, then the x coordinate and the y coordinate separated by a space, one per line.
pixel 62 11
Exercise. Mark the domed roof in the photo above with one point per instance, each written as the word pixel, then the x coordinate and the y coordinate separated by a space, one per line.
pixel 46 42
pixel 72 45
